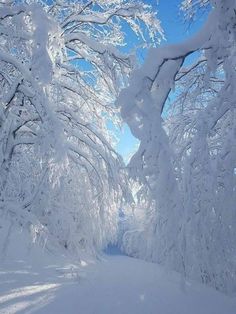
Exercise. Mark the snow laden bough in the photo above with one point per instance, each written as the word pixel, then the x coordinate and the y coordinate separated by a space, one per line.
pixel 60 68
pixel 186 158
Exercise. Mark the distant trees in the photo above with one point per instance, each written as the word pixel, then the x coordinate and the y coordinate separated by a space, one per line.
pixel 187 154
pixel 61 66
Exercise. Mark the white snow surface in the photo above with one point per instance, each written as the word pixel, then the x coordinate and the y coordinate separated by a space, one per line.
pixel 115 284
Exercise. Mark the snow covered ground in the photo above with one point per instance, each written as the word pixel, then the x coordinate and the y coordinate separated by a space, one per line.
pixel 114 285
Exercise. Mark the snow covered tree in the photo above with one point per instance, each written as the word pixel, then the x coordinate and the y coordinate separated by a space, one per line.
pixel 61 66
pixel 187 153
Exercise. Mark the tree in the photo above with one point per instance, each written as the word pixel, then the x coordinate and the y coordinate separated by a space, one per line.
pixel 188 160
pixel 61 65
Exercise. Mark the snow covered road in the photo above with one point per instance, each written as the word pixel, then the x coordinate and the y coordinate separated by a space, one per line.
pixel 115 285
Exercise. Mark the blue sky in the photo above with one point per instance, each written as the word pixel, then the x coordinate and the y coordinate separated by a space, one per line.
pixel 175 31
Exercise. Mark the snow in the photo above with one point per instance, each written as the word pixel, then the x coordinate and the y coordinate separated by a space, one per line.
pixel 62 183
pixel 116 284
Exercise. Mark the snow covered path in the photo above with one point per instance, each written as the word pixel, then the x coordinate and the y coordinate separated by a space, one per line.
pixel 115 285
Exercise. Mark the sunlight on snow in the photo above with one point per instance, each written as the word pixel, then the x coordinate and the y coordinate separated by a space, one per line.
pixel 29 292
pixel 26 291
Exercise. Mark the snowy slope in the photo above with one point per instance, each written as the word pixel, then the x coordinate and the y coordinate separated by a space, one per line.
pixel 114 285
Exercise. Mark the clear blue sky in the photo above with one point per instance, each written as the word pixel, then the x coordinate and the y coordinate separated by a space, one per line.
pixel 175 31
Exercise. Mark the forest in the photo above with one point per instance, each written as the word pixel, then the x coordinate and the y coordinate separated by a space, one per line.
pixel 73 74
